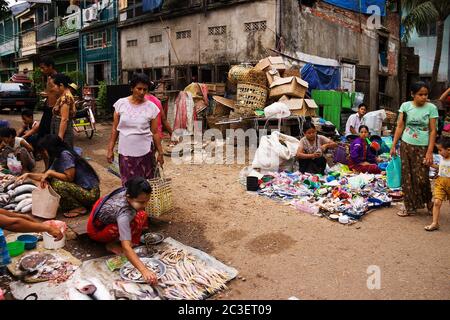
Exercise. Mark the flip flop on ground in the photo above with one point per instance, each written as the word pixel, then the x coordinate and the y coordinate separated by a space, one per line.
pixel 404 213
pixel 432 227
pixel 75 213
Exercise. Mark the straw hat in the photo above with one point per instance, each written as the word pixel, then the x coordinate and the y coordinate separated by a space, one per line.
pixel 73 86
pixel 224 101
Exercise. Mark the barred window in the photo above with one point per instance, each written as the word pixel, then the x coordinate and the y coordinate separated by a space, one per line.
pixel 184 34
pixel 256 26
pixel 132 43
pixel 217 31
pixel 154 39
pixel 95 40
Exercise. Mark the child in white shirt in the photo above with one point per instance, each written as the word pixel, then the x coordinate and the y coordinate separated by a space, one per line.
pixel 442 184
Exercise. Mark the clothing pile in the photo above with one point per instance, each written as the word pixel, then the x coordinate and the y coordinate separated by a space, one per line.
pixel 339 192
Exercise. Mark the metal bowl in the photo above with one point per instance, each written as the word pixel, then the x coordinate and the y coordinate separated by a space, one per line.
pixel 152 238
pixel 128 265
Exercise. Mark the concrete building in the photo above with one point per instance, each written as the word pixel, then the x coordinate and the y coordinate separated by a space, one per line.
pixel 200 41
pixel 193 41
pixel 322 33
pixel 424 44
pixel 98 43
pixel 9 44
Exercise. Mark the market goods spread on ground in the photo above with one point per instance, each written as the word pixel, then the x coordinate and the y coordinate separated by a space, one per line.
pixel 190 274
pixel 340 192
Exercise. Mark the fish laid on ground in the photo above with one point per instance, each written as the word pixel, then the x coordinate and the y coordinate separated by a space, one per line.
pixel 74 294
pixel 94 289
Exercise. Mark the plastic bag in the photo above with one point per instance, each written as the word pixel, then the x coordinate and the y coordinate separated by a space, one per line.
pixel 277 110
pixel 342 154
pixel 394 173
pixel 374 120
pixel 45 202
pixel 271 153
pixel 14 165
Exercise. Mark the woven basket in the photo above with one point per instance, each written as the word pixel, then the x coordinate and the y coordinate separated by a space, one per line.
pixel 251 97
pixel 161 199
pixel 245 74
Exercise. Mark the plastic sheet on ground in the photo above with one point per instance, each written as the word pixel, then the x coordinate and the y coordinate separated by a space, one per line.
pixel 96 268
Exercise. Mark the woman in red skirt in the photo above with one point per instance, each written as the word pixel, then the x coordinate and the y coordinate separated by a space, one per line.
pixel 119 219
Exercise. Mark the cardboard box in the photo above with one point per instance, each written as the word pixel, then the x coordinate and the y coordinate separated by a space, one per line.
pixel 272 75
pixel 302 107
pixel 276 63
pixel 291 86
pixel 216 88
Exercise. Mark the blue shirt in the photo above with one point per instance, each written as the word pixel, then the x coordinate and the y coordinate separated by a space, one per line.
pixel 4 254
pixel 83 176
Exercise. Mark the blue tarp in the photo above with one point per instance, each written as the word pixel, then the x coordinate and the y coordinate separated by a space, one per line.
pixel 321 77
pixel 150 5
pixel 359 5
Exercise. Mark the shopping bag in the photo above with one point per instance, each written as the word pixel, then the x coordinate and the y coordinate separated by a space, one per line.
pixel 342 153
pixel 394 173
pixel 274 151
pixel 45 202
pixel 161 199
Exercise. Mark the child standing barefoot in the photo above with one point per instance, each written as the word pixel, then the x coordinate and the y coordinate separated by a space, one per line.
pixel 442 184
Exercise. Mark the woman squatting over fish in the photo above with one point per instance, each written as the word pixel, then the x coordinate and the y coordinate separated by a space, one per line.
pixel 118 220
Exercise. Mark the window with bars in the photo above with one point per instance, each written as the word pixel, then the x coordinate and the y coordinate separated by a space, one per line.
pixel 217 31
pixel 184 34
pixel 132 43
pixel 256 26
pixel 154 39
pixel 95 40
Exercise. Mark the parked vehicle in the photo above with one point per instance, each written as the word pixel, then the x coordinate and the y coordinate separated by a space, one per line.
pixel 84 120
pixel 17 96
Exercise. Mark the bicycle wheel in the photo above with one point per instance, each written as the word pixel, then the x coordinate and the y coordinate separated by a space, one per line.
pixel 89 131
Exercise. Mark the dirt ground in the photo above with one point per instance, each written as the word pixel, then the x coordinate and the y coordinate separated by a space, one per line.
pixel 281 252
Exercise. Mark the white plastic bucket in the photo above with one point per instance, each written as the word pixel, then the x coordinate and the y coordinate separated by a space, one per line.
pixel 49 241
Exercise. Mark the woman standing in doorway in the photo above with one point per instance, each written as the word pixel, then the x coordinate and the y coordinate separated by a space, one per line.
pixel 136 127
pixel 416 127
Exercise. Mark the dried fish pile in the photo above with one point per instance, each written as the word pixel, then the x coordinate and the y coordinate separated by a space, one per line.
pixel 15 197
pixel 188 278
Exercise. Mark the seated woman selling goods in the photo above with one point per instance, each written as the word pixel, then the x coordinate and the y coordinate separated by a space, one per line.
pixel 72 177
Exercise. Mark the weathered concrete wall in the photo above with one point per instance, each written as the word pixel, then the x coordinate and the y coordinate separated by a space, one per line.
pixel 330 32
pixel 236 45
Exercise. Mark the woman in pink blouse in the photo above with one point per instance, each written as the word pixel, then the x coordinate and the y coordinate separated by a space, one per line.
pixel 136 127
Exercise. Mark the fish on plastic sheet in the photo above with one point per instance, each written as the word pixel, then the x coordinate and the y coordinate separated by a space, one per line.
pixel 92 288
pixel 133 291
pixel 74 294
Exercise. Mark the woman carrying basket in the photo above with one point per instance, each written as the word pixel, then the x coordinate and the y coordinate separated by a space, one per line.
pixel 136 127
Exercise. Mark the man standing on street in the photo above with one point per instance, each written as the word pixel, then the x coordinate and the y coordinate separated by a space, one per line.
pixel 51 95
pixel 354 121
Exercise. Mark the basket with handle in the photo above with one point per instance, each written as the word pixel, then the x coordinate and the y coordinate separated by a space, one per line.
pixel 161 198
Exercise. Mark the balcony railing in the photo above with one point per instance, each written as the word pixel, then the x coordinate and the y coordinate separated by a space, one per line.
pixel 28 43
pixel 70 25
pixel 6 47
pixel 46 32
